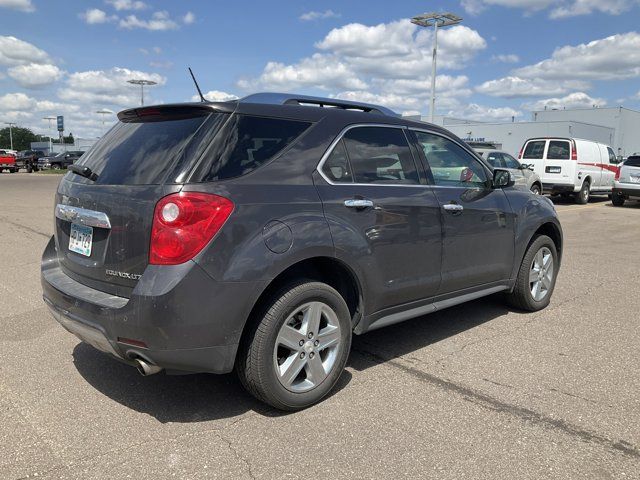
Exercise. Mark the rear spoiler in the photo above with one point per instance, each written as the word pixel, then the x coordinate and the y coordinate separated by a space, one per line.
pixel 158 113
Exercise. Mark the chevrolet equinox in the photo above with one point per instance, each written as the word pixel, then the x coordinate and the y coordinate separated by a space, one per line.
pixel 260 234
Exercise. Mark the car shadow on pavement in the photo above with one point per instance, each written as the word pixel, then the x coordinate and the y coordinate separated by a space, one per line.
pixel 172 398
pixel 205 397
pixel 404 338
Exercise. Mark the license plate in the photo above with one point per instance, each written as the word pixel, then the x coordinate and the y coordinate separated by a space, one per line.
pixel 634 179
pixel 554 169
pixel 81 239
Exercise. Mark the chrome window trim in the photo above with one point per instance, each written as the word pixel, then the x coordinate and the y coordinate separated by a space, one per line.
pixel 335 141
pixel 90 218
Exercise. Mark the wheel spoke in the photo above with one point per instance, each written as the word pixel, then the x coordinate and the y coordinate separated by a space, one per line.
pixel 539 259
pixel 312 318
pixel 546 281
pixel 533 275
pixel 290 337
pixel 548 261
pixel 315 370
pixel 535 291
pixel 290 369
pixel 329 337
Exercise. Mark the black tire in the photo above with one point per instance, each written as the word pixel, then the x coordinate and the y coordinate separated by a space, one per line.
pixel 255 363
pixel 29 170
pixel 535 189
pixel 14 170
pixel 55 166
pixel 582 197
pixel 521 296
pixel 617 199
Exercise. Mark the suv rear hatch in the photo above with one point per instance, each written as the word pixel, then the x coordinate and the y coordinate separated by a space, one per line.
pixel 630 171
pixel 103 223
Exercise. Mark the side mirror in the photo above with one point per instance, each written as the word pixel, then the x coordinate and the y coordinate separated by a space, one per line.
pixel 502 178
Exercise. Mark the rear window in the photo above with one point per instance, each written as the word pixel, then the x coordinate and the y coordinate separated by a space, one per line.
pixel 558 150
pixel 534 150
pixel 141 152
pixel 632 162
pixel 244 144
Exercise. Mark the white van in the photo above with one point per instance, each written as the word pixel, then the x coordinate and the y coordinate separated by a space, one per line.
pixel 571 166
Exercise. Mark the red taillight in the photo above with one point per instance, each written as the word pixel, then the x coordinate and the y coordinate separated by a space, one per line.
pixel 574 150
pixel 617 177
pixel 183 223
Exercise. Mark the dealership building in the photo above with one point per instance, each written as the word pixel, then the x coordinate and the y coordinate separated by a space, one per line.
pixel 617 127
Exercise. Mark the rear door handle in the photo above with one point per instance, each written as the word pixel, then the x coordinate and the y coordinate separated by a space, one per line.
pixel 358 203
pixel 453 207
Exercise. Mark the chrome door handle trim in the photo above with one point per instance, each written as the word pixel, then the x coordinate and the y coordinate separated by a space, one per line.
pixel 90 218
pixel 358 203
pixel 453 207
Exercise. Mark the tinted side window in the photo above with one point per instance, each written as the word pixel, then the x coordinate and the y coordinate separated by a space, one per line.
pixel 337 167
pixel 534 150
pixel 450 164
pixel 612 156
pixel 510 162
pixel 380 155
pixel 558 150
pixel 496 160
pixel 246 143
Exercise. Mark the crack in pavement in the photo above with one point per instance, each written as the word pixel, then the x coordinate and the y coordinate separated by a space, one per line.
pixel 484 400
pixel 24 227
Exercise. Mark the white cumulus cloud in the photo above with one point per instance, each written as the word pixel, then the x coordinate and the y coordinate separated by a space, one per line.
pixel 159 21
pixel 35 75
pixel 14 51
pixel 94 16
pixel 215 96
pixel 314 15
pixel 517 87
pixel 21 5
pixel 573 100
pixel 127 4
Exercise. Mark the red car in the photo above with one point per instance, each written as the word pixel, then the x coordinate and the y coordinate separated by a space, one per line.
pixel 8 162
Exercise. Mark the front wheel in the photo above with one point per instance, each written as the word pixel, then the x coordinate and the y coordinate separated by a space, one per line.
pixel 535 189
pixel 298 348
pixel 537 276
pixel 582 197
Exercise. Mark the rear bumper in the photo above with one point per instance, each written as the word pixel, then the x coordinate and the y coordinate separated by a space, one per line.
pixel 554 188
pixel 188 321
pixel 626 189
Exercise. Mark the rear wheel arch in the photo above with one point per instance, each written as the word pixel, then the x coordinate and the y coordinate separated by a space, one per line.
pixel 329 270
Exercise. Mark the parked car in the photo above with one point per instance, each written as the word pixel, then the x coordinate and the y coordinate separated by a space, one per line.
pixel 60 161
pixel 524 175
pixel 260 234
pixel 28 159
pixel 571 166
pixel 8 161
pixel 627 181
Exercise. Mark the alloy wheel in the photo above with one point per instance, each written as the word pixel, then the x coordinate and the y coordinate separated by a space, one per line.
pixel 307 347
pixel 541 274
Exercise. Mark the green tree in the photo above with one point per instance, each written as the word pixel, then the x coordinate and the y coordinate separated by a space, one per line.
pixel 22 138
pixel 68 139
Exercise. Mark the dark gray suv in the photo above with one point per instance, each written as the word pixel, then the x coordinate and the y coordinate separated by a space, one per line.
pixel 260 234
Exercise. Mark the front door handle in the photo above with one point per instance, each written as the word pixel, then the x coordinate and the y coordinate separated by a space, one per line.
pixel 453 207
pixel 358 203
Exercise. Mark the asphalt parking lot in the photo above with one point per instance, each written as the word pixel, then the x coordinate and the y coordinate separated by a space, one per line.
pixel 476 391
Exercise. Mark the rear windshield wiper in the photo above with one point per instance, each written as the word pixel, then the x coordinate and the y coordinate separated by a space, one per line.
pixel 83 172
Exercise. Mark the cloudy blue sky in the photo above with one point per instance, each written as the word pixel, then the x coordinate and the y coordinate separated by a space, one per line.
pixel 508 56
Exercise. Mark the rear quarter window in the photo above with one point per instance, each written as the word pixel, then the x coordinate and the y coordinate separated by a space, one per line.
pixel 244 144
pixel 534 150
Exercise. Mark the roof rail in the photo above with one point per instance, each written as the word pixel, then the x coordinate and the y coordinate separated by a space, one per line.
pixel 294 99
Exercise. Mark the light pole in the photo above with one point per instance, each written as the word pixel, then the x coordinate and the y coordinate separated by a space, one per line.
pixel 103 112
pixel 142 82
pixel 435 20
pixel 50 119
pixel 11 125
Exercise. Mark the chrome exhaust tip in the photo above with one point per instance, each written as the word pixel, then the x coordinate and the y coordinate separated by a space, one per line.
pixel 145 369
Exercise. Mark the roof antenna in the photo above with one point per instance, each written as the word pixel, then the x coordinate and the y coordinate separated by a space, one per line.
pixel 197 86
